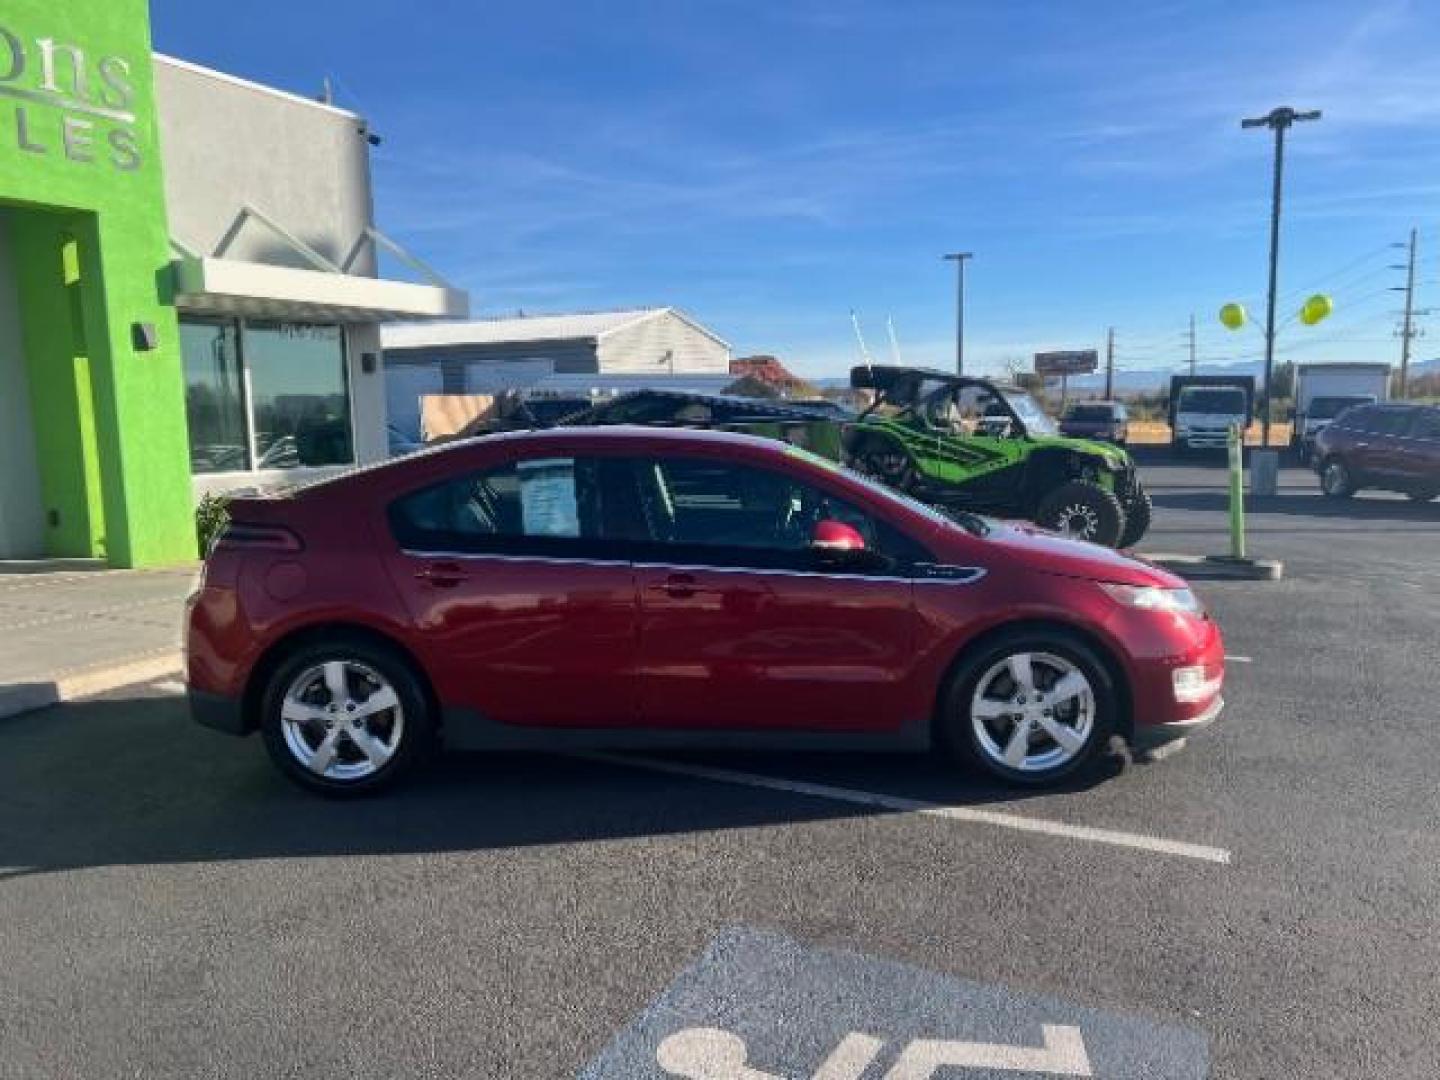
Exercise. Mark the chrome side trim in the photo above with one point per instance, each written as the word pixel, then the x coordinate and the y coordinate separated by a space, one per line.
pixel 499 557
pixel 954 575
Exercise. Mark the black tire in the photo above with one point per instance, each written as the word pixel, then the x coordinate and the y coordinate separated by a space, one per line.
pixel 1083 510
pixel 1424 495
pixel 407 747
pixel 958 731
pixel 1336 480
pixel 886 461
pixel 1138 512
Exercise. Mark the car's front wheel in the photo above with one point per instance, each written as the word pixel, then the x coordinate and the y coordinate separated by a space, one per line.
pixel 1083 510
pixel 345 717
pixel 1138 512
pixel 1336 481
pixel 1031 708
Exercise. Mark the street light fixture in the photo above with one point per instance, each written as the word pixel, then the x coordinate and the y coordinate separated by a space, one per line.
pixel 959 258
pixel 1278 121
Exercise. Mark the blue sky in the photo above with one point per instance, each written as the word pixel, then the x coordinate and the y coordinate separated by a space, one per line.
pixel 770 166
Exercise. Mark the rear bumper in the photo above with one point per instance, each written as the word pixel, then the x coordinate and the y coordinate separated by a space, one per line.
pixel 1149 736
pixel 217 711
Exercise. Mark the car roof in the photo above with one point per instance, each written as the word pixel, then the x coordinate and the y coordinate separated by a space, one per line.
pixel 883 376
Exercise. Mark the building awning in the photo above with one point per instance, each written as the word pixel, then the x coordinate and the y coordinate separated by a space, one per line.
pixel 231 287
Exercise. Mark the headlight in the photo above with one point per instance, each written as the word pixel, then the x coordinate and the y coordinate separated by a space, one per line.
pixel 1192 685
pixel 1153 598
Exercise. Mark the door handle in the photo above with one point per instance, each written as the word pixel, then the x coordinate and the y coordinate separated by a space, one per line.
pixel 442 575
pixel 680 586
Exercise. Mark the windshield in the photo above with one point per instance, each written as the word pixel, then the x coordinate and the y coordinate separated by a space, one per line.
pixel 1035 419
pixel 1219 400
pixel 1327 408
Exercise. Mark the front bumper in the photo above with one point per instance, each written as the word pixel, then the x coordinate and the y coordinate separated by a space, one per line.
pixel 217 711
pixel 1149 736
pixel 1204 440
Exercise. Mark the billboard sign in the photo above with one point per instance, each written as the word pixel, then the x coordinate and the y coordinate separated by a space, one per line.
pixel 1077 362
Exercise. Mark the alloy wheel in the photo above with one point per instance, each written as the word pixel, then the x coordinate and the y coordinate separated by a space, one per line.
pixel 1080 521
pixel 1033 712
pixel 342 720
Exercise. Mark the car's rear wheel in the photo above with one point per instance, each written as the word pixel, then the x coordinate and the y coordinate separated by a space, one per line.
pixel 1424 494
pixel 1138 511
pixel 345 717
pixel 1031 708
pixel 1083 510
pixel 887 462
pixel 1336 480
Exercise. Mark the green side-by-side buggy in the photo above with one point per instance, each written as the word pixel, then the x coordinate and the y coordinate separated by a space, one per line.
pixel 970 444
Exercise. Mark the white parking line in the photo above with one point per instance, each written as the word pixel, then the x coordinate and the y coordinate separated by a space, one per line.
pixel 1239 659
pixel 1137 841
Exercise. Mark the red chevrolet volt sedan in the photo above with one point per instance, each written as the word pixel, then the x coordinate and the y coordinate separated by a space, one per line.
pixel 628 587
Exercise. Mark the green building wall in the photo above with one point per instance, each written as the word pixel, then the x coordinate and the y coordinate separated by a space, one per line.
pixel 80 175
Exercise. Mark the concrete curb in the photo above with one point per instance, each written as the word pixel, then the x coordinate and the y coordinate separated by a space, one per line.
pixel 1218 567
pixel 27 697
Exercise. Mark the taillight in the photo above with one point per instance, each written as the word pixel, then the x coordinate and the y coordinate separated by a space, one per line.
pixel 242 536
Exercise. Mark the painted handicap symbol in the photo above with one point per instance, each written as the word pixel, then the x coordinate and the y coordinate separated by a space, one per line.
pixel 713 1054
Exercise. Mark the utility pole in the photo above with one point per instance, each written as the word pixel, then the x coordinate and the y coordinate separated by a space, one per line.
pixel 959 258
pixel 1407 328
pixel 1110 365
pixel 1192 344
pixel 1278 121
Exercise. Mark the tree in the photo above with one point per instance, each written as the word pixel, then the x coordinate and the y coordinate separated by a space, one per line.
pixel 1282 381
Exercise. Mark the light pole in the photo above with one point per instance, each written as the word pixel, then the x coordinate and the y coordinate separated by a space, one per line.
pixel 1278 121
pixel 959 258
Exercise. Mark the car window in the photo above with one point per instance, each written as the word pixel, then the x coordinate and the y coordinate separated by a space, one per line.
pixel 546 503
pixel 1427 424
pixel 721 513
pixel 1389 422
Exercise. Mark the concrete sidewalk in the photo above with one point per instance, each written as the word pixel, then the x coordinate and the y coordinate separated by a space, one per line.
pixel 69 628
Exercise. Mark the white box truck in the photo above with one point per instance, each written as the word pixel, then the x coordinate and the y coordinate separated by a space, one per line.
pixel 1324 391
pixel 1203 408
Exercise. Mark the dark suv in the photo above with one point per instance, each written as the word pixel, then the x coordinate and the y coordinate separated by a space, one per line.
pixel 1105 420
pixel 1391 446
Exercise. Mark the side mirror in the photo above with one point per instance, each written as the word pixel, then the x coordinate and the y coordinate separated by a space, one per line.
pixel 836 538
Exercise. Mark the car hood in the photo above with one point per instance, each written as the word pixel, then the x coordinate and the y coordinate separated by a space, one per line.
pixel 1030 548
pixel 1113 455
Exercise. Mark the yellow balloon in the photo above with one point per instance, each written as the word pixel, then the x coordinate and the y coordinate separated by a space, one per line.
pixel 1233 316
pixel 1315 309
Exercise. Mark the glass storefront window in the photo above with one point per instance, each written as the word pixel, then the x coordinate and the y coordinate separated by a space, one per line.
pixel 299 396
pixel 214 399
pixel 299 405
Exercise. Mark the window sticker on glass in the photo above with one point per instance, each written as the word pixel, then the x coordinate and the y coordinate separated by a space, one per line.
pixel 548 506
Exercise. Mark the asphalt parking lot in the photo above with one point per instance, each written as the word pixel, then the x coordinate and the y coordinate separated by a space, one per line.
pixel 1262 904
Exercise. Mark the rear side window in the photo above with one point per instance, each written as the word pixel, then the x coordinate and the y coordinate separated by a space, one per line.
pixel 535 505
pixel 1388 422
pixel 1427 424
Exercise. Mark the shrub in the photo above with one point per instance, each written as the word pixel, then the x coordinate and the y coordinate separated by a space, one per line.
pixel 211 516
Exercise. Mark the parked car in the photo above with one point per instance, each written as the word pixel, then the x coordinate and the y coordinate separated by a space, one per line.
pixel 972 445
pixel 1395 447
pixel 1104 420
pixel 657 588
